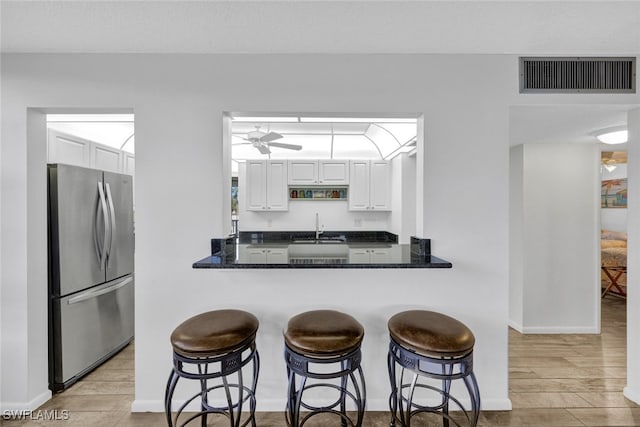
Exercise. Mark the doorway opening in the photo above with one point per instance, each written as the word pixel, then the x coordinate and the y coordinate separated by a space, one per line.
pixel 90 166
pixel 558 144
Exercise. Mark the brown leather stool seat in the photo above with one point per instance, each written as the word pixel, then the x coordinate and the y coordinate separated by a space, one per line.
pixel 214 333
pixel 323 333
pixel 431 334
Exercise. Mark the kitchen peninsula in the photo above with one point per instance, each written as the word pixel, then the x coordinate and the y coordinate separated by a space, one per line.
pixel 331 250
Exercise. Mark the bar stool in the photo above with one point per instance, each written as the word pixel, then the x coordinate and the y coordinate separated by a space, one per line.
pixel 215 345
pixel 435 346
pixel 324 345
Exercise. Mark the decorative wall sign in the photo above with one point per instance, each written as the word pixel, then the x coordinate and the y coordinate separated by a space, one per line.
pixel 614 193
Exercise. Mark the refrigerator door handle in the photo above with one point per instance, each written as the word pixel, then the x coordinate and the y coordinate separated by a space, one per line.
pixel 101 248
pixel 92 294
pixel 112 228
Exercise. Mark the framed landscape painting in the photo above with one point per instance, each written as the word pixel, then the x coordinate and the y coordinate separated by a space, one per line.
pixel 614 193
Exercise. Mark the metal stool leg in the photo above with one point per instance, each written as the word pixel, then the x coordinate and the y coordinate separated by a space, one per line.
pixel 343 394
pixel 222 369
pixel 474 394
pixel 361 395
pixel 446 370
pixel 393 396
pixel 301 371
pixel 168 395
pixel 254 385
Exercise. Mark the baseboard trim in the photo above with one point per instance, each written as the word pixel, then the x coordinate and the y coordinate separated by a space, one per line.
pixel 31 405
pixel 633 395
pixel 516 326
pixel 560 330
pixel 277 405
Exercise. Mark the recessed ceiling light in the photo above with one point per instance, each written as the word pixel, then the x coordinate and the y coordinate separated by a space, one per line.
pixel 615 137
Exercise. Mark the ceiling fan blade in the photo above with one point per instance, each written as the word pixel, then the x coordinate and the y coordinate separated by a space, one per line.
pixel 271 136
pixel 263 149
pixel 243 143
pixel 287 146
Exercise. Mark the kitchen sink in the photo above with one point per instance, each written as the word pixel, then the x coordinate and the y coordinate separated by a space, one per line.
pixel 322 240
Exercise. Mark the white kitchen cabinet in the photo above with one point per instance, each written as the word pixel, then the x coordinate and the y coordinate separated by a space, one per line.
pixel 106 158
pixel 267 185
pixel 73 150
pixel 129 163
pixel 318 172
pixel 370 186
pixel 369 255
pixel 265 256
pixel 303 172
pixel 380 187
pixel 68 149
pixel 380 255
pixel 333 172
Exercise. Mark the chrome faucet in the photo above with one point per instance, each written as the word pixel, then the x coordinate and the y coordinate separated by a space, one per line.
pixel 318 231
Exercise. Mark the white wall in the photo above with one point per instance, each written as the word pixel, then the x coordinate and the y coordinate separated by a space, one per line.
pixel 516 237
pixel 181 185
pixel 632 390
pixel 555 231
pixel 403 197
pixel 614 218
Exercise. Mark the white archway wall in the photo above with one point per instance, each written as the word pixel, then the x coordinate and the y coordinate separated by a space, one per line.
pixel 632 390
pixel 463 204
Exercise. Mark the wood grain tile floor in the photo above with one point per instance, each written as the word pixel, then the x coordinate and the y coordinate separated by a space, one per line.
pixel 555 381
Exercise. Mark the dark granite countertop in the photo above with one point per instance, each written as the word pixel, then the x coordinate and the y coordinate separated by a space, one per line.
pixel 331 250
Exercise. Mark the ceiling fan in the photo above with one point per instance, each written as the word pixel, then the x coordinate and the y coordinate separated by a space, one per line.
pixel 263 141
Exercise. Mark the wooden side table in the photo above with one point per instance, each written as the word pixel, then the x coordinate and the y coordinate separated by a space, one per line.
pixel 614 273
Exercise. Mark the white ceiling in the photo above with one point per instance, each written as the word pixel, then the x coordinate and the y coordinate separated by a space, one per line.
pixel 294 26
pixel 345 26
pixel 565 124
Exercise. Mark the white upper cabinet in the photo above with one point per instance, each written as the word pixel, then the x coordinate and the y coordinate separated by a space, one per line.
pixel 318 172
pixel 370 186
pixel 359 186
pixel 68 149
pixel 106 158
pixel 277 194
pixel 256 187
pixel 303 172
pixel 380 187
pixel 129 165
pixel 73 150
pixel 333 172
pixel 267 185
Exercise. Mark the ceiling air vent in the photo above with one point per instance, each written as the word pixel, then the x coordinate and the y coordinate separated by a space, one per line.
pixel 577 75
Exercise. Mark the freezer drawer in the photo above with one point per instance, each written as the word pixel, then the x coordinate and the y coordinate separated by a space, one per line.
pixel 88 327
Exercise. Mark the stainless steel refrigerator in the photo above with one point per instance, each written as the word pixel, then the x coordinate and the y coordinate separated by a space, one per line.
pixel 91 282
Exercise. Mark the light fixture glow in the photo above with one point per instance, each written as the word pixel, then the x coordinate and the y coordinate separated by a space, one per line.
pixel 617 137
pixel 356 120
pixel 279 119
